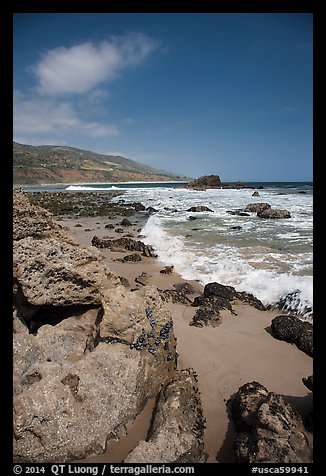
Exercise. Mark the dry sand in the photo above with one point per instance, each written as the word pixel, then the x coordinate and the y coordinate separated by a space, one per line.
pixel 240 350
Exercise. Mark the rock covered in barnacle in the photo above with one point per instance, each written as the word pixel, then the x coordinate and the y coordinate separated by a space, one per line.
pixel 177 429
pixel 215 298
pixel 269 429
pixel 295 331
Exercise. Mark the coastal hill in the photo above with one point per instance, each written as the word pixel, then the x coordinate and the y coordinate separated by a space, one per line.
pixel 62 164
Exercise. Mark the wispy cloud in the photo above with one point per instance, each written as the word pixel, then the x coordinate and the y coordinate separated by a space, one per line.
pixel 35 117
pixel 80 68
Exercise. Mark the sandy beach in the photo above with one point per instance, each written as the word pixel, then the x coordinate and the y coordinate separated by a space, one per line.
pixel 239 350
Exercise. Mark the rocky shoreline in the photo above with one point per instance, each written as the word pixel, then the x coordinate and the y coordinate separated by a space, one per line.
pixel 99 324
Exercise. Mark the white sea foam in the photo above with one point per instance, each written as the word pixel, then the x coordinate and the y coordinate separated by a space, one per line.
pixel 83 188
pixel 227 265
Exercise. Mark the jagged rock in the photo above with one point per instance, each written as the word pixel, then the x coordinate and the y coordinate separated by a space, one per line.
pixel 126 243
pixel 257 207
pixel 255 194
pixel 308 382
pixel 207 181
pixel 295 331
pixel 175 296
pixel 32 221
pixel 139 207
pixel 176 433
pixel 274 213
pixel 215 298
pixel 52 272
pixel 199 208
pixel 271 431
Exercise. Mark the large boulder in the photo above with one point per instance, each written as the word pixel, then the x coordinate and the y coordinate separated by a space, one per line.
pixel 295 331
pixel 177 429
pixel 274 213
pixel 257 207
pixel 270 430
pixel 53 272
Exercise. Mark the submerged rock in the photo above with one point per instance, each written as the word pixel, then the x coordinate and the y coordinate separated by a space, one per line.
pixel 270 430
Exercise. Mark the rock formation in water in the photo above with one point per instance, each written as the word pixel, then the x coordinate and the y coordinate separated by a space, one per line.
pixel 88 353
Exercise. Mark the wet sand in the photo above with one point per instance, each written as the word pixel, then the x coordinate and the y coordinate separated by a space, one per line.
pixel 238 351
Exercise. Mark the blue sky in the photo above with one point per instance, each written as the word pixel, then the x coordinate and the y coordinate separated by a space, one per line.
pixel 194 94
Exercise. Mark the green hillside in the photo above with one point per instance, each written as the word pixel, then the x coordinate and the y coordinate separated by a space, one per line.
pixel 61 164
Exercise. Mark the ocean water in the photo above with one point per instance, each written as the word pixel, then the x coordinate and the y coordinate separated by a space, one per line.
pixel 268 258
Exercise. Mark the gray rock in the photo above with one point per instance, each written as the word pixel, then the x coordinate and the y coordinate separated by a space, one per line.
pixel 32 221
pixel 176 433
pixel 271 431
pixel 125 222
pixel 274 213
pixel 199 208
pixel 257 207
pixel 58 273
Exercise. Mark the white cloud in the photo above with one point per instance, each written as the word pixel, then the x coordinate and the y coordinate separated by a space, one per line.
pixel 37 117
pixel 80 68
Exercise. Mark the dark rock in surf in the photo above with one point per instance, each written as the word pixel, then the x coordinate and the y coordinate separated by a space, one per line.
pixel 238 212
pixel 274 213
pixel 126 222
pixel 199 208
pixel 257 207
